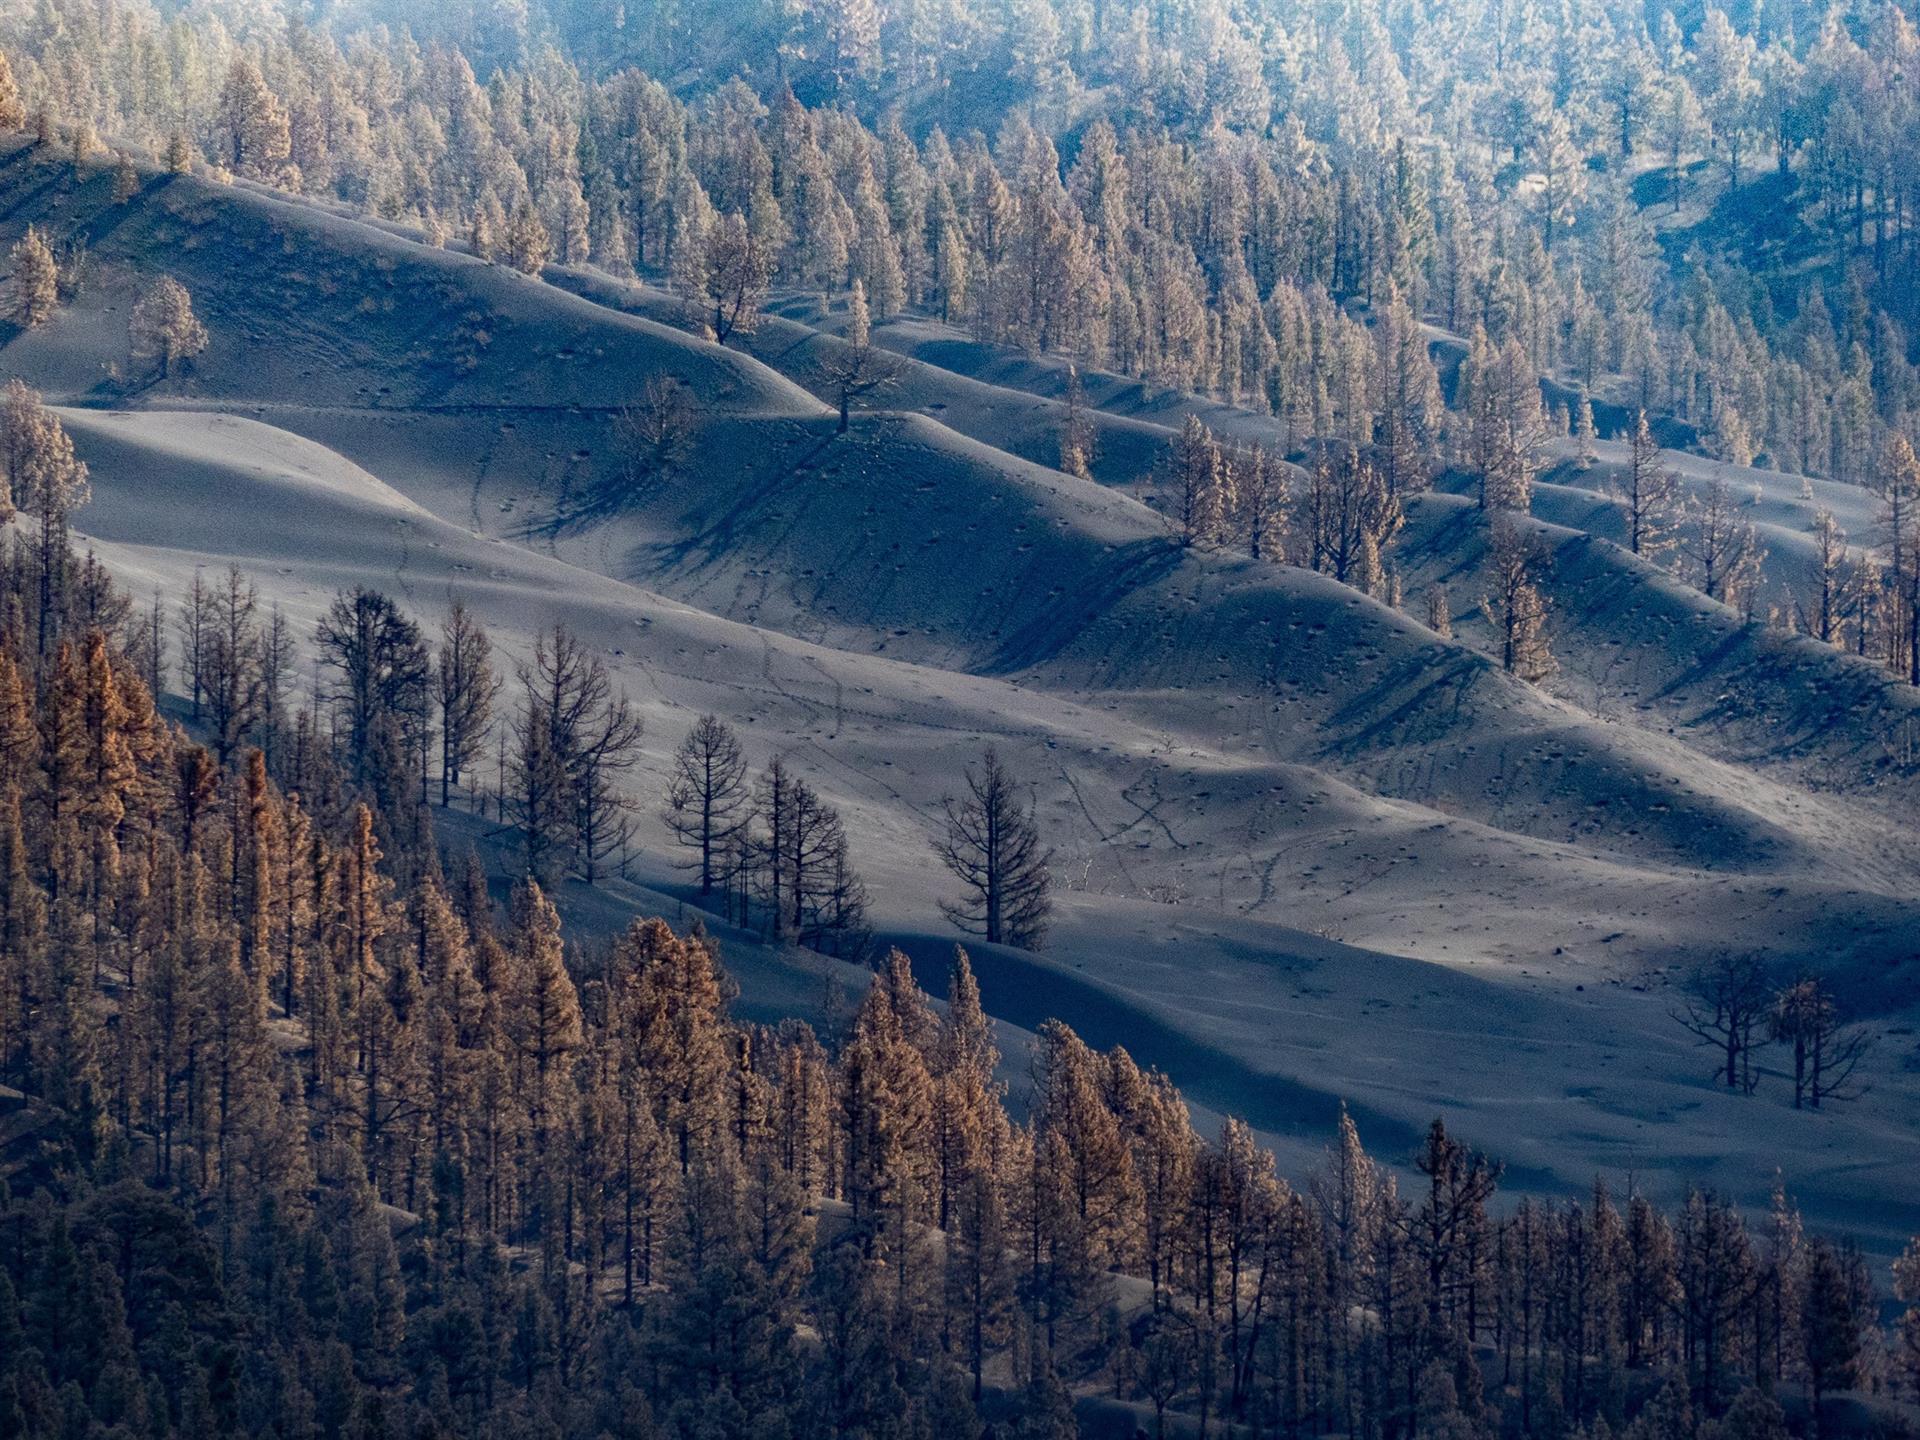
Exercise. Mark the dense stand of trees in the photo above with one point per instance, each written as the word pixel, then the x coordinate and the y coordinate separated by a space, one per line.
pixel 304 1136
pixel 1263 212
pixel 1185 193
pixel 765 847
pixel 768 849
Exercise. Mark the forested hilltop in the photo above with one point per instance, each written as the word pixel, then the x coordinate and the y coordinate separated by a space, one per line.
pixel 307 1141
pixel 1706 216
pixel 1706 212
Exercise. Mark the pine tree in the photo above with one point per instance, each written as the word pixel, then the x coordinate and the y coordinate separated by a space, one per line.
pixel 647 1177
pixel 1514 605
pixel 240 1093
pixel 354 930
pixel 379 675
pixel 993 847
pixel 1721 549
pixel 13 112
pixel 1081 1190
pixel 1898 484
pixel 481 235
pixel 861 367
pixel 1409 396
pixel 952 274
pixel 126 179
pixel 23 926
pixel 46 480
pixel 566 207
pixel 1165 1150
pixel 1715 1266
pixel 467 689
pixel 1506 424
pixel 964 1058
pixel 1585 432
pixel 541 1019
pixel 670 1009
pixel 1562 175
pixel 1833 1317
pixel 525 242
pixel 19 734
pixel 163 326
pixel 734 271
pixel 259 142
pixel 109 776
pixel 980 1283
pixel 541 796
pixel 65 1028
pixel 1076 429
pixel 26 431
pixel 1452 1205
pixel 85 143
pixel 805 877
pixel 229 668
pixel 1347 517
pixel 1650 493
pixel 35 280
pixel 576 735
pixel 195 624
pixel 886 1105
pixel 1263 503
pixel 706 806
pixel 1732 441
pixel 1195 465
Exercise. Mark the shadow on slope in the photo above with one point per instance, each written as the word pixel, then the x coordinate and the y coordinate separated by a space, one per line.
pixel 311 307
pixel 1633 642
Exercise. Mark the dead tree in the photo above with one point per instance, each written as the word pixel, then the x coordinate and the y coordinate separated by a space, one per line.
pixel 1725 1005
pixel 655 432
pixel 861 368
pixel 573 719
pixel 707 799
pixel 736 268
pixel 230 672
pixel 1077 435
pixel 993 846
pixel 467 689
pixel 1514 606
pixel 805 880
pixel 1826 1054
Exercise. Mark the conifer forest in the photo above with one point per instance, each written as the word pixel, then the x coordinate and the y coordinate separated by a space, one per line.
pixel 959 719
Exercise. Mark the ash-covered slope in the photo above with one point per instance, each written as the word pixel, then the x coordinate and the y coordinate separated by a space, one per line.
pixel 176 489
pixel 312 307
pixel 460 383
pixel 1228 755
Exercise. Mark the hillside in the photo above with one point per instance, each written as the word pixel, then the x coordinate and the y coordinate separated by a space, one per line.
pixel 1352 827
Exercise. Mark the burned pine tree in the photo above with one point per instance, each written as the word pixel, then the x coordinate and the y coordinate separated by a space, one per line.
pixel 1725 1004
pixel 1826 1052
pixel 707 798
pixel 992 846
